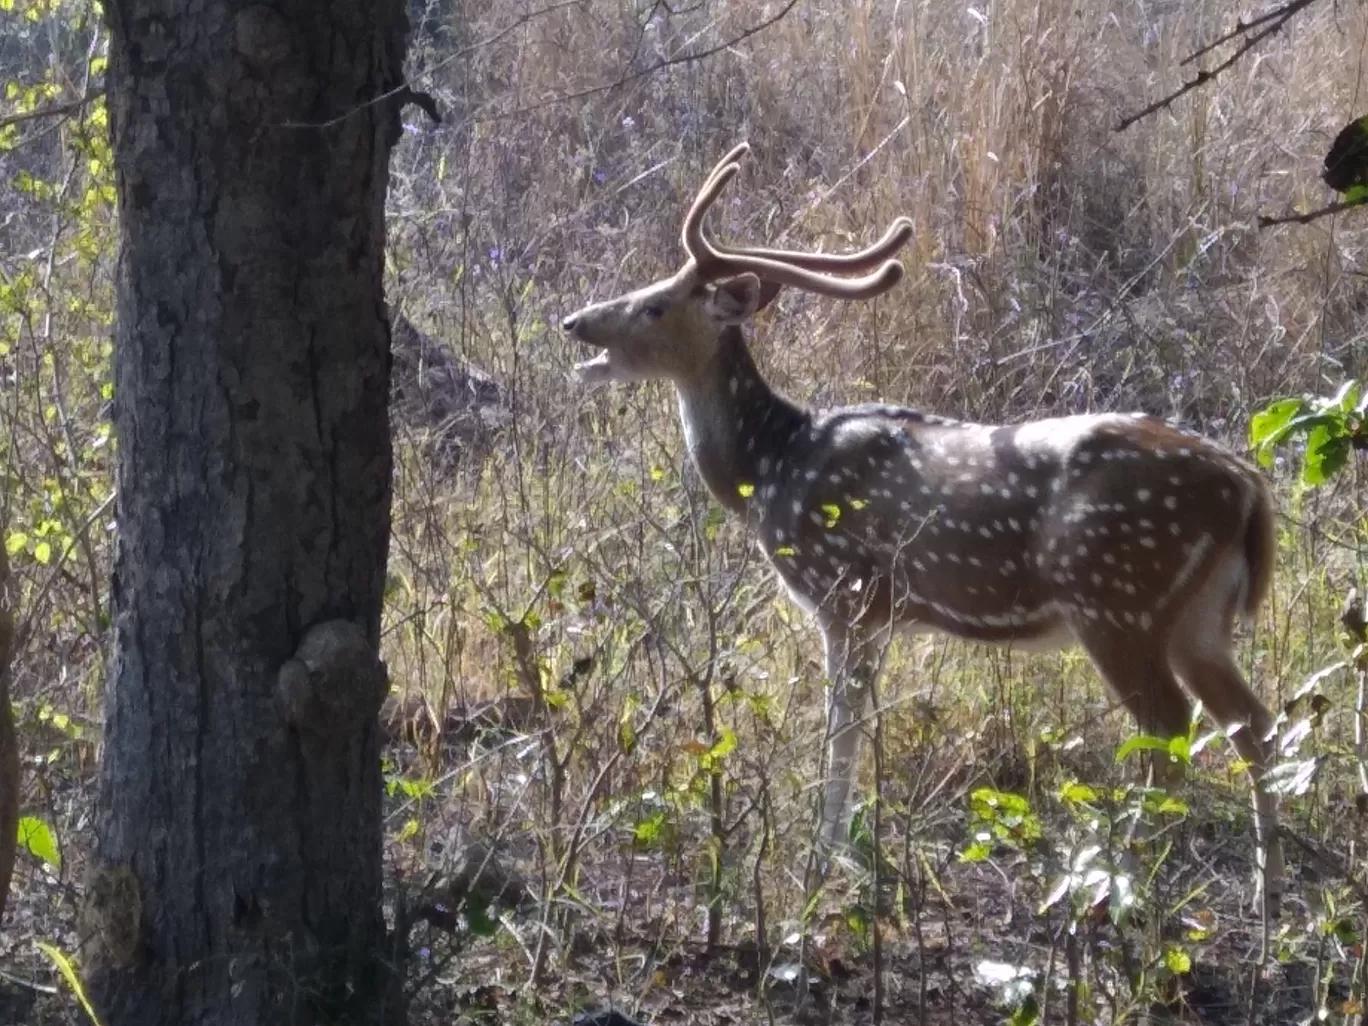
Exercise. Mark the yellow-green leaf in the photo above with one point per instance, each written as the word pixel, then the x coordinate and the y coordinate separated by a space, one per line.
pixel 63 963
pixel 36 837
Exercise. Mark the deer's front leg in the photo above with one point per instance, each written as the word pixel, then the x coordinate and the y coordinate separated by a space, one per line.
pixel 850 667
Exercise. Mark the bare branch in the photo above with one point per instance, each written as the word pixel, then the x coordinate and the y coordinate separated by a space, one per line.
pixel 55 110
pixel 1275 20
pixel 1314 215
pixel 631 76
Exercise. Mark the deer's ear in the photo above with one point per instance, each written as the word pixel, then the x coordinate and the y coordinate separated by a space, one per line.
pixel 734 300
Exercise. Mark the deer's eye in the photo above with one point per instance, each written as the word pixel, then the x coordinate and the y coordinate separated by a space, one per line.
pixel 653 311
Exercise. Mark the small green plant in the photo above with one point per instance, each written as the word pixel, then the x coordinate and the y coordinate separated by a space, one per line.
pixel 1329 429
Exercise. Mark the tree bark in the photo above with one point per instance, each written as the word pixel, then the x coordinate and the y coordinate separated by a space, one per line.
pixel 236 876
pixel 9 744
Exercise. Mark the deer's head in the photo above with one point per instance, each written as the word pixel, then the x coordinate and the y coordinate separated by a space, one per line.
pixel 672 327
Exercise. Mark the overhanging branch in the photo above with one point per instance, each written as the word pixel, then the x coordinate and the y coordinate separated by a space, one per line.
pixel 1254 31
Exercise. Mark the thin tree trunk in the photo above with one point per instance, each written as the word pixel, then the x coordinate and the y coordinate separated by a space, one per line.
pixel 237 871
pixel 9 744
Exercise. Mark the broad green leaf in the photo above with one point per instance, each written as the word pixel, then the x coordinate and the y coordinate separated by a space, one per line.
pixel 1265 424
pixel 38 839
pixel 1141 743
pixel 15 542
pixel 43 553
pixel 1326 453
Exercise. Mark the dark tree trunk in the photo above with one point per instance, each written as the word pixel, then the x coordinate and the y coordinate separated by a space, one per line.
pixel 237 871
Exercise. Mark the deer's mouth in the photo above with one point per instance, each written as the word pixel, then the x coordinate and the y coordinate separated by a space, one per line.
pixel 600 368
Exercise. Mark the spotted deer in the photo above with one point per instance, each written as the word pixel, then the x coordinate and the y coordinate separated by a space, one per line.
pixel 1117 532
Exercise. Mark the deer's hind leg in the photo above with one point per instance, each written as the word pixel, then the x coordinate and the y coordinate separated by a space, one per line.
pixel 1201 652
pixel 1142 679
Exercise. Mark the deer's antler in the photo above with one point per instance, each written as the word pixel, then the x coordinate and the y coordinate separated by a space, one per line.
pixel 808 271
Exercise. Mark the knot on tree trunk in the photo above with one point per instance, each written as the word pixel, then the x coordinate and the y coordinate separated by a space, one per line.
pixel 334 684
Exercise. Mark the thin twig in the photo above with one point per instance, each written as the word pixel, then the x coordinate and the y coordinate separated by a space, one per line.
pixel 1240 28
pixel 691 57
pixel 1315 215
pixel 1276 20
pixel 55 110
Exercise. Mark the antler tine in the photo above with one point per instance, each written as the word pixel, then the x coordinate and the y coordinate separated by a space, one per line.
pixel 692 234
pixel 897 236
pixel 866 287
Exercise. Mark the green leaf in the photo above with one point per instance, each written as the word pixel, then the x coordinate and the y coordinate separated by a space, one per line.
pixel 15 542
pixel 1326 453
pixel 43 553
pixel 726 744
pixel 1181 749
pixel 555 584
pixel 649 830
pixel 745 489
pixel 1076 793
pixel 1141 743
pixel 1272 419
pixel 976 852
pixel 63 963
pixel 38 839
pixel 1178 961
pixel 833 513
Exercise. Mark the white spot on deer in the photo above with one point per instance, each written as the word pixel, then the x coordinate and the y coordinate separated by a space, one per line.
pixel 1147 541
pixel 1142 495
pixel 1175 528
pixel 986 532
pixel 734 385
pixel 1146 621
pixel 1171 501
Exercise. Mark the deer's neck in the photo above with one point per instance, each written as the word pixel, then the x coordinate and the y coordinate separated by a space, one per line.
pixel 737 426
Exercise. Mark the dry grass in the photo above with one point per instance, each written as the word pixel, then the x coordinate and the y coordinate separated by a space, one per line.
pixel 1056 266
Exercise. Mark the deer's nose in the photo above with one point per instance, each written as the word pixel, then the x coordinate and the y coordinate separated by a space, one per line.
pixel 569 323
